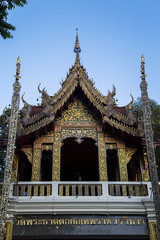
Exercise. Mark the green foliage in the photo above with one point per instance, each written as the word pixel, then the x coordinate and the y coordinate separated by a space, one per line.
pixel 5 6
pixel 155 109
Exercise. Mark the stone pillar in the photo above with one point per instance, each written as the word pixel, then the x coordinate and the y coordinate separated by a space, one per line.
pixel 122 164
pixel 36 162
pixel 9 228
pixel 102 157
pixel 15 168
pixel 56 154
pixel 153 233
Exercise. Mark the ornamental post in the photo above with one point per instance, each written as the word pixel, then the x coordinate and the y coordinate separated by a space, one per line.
pixel 150 145
pixel 10 149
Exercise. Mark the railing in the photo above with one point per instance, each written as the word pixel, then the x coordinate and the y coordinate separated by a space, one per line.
pixel 31 189
pixel 80 189
pixel 128 190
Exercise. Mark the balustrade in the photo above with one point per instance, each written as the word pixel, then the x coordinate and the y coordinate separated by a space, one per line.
pixel 30 189
pixel 129 190
pixel 80 189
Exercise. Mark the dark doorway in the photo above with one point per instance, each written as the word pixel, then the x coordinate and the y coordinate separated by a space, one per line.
pixel 46 166
pixel 113 165
pixel 24 168
pixel 79 161
pixel 134 171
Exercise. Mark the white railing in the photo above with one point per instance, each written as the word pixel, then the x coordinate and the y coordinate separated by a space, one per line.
pixel 80 189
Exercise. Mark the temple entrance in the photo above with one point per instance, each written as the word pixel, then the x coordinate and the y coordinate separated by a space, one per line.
pixel 46 166
pixel 113 165
pixel 79 161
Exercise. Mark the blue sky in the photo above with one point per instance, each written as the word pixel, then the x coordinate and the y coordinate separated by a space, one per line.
pixel 113 35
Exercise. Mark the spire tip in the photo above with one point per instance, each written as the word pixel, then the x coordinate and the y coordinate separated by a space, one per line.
pixel 77 48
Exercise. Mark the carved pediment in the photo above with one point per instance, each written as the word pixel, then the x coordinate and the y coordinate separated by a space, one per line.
pixel 77 112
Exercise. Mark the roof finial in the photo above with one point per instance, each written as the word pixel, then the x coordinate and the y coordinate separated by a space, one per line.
pixel 18 69
pixel 143 68
pixel 77 48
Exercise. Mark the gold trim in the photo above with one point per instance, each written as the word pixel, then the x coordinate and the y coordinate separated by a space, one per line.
pixel 15 168
pixel 102 157
pixel 56 157
pixel 153 230
pixel 123 165
pixel 9 228
pixel 36 164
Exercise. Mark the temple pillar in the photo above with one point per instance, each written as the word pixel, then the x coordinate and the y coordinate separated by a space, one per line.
pixel 153 233
pixel 56 154
pixel 9 228
pixel 102 157
pixel 36 162
pixel 144 167
pixel 123 165
pixel 15 168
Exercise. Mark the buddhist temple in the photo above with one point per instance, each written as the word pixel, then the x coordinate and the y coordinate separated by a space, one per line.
pixel 79 168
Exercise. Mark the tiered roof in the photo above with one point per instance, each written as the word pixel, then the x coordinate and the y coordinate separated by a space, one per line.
pixel 34 118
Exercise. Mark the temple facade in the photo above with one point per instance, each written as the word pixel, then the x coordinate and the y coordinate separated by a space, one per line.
pixel 80 168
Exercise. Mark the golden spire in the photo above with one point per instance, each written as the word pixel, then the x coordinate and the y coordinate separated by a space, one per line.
pixel 18 69
pixel 142 59
pixel 77 49
pixel 77 45
pixel 143 68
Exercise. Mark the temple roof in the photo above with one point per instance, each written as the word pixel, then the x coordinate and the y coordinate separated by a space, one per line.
pixel 36 117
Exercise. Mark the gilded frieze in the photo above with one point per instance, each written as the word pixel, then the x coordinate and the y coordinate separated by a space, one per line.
pixel 123 165
pixel 47 147
pixel 111 146
pixel 102 157
pixel 56 157
pixel 79 134
pixel 113 140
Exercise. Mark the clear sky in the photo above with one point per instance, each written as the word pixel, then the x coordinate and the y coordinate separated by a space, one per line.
pixel 113 35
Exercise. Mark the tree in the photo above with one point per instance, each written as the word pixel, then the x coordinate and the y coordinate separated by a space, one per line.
pixel 5 6
pixel 155 109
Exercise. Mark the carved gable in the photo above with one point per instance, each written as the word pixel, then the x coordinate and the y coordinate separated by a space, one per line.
pixel 77 113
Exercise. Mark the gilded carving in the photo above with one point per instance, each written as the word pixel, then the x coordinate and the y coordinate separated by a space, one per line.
pixel 36 164
pixel 114 140
pixel 144 167
pixel 129 153
pixel 28 153
pixel 48 138
pixel 79 134
pixel 9 228
pixel 77 112
pixel 15 167
pixel 102 157
pixel 153 230
pixel 111 146
pixel 47 147
pixel 56 157
pixel 123 165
